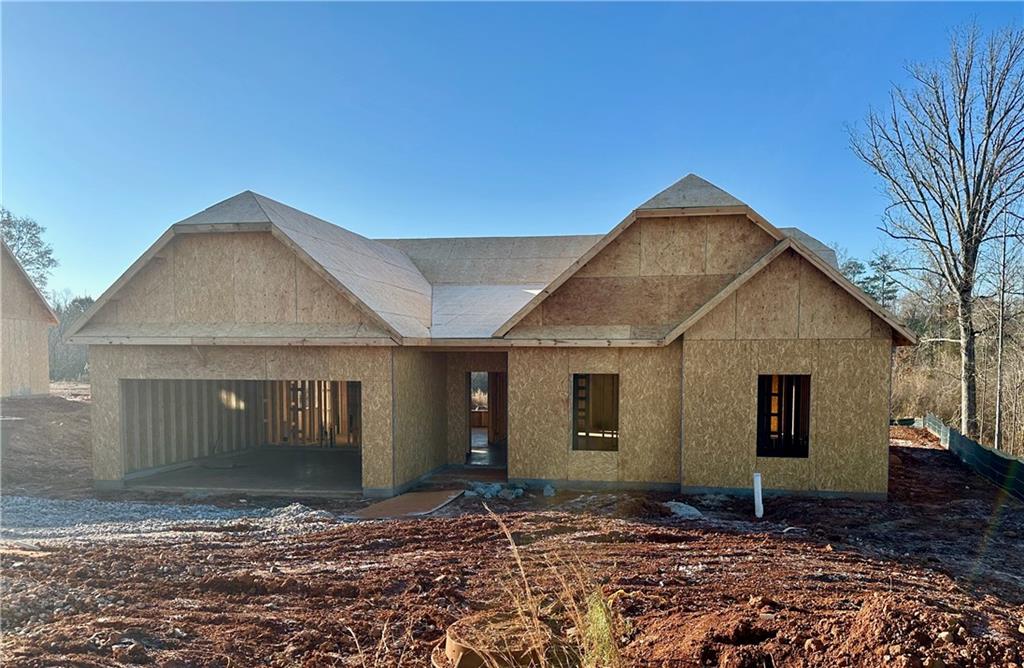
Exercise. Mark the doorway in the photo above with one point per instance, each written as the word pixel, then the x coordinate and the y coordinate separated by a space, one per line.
pixel 487 408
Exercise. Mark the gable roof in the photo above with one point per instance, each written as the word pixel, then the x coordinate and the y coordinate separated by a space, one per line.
pixel 690 191
pixel 466 290
pixel 382 282
pixel 377 276
pixel 821 250
pixel 904 335
pixel 8 256
pixel 689 196
pixel 693 195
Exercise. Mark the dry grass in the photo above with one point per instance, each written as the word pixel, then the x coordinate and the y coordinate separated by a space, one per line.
pixel 552 615
pixel 479 399
pixel 926 380
pixel 381 655
pixel 557 617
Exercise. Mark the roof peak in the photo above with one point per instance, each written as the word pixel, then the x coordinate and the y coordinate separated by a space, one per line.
pixel 691 191
pixel 11 257
pixel 241 208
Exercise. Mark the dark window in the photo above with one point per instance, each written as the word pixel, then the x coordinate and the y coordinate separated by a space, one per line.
pixel 595 411
pixel 783 415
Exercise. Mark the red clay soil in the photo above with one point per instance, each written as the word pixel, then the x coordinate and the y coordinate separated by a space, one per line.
pixel 930 578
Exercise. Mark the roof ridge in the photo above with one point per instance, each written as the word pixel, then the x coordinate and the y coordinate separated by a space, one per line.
pixel 256 197
pixel 227 211
pixel 691 191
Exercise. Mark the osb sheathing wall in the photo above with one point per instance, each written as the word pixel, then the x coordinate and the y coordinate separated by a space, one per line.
pixel 651 278
pixel 238 277
pixel 540 436
pixel 371 366
pixel 171 421
pixel 458 364
pixel 419 413
pixel 24 332
pixel 789 319
pixel 24 358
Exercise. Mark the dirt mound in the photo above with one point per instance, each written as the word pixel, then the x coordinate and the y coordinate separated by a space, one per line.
pixel 641 507
pixel 914 436
pixel 719 598
pixel 885 620
pixel 736 638
pixel 914 633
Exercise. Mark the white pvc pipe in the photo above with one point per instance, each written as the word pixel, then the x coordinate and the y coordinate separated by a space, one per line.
pixel 758 506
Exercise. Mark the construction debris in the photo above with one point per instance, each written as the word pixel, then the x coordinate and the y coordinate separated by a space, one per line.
pixel 684 510
pixel 410 504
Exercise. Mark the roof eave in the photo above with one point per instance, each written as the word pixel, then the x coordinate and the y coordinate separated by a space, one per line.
pixel 107 339
pixel 54 320
pixel 899 329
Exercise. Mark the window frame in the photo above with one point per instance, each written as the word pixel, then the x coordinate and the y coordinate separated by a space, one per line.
pixel 594 439
pixel 783 415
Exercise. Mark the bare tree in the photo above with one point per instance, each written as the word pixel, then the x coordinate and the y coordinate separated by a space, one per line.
pixel 1012 228
pixel 950 152
pixel 67 360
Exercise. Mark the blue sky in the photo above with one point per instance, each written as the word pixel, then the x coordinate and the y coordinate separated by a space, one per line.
pixel 443 119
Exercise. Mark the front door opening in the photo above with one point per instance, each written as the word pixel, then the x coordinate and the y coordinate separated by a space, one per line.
pixel 488 418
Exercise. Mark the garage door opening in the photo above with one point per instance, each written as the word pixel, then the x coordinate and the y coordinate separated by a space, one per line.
pixel 280 436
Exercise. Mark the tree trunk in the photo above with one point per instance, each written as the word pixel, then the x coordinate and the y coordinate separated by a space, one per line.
pixel 998 436
pixel 968 368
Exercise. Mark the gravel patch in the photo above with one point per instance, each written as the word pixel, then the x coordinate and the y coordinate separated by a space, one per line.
pixel 33 518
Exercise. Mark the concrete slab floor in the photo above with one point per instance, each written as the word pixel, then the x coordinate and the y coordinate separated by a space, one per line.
pixel 270 470
pixel 482 453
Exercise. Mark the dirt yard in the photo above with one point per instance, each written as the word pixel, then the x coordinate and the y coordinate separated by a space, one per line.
pixel 933 577
pixel 46 447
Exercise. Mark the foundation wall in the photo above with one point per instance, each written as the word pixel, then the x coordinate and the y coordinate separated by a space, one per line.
pixel 420 413
pixel 540 421
pixel 370 366
pixel 457 365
